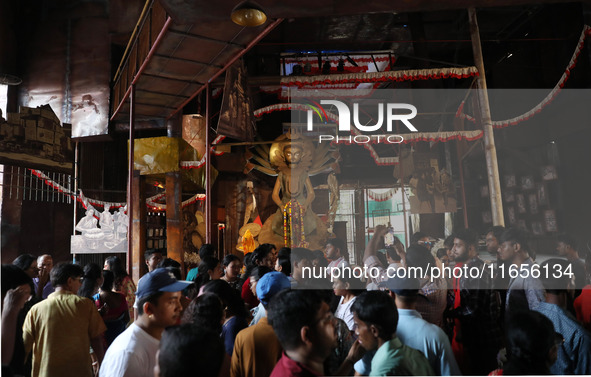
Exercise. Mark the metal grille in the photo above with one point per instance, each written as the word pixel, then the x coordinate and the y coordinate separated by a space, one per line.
pixel 21 184
pixel 346 213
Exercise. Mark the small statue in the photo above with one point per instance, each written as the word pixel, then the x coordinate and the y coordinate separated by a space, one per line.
pixel 335 196
pixel 251 212
pixel 293 159
pixel 106 219
pixel 121 223
pixel 87 222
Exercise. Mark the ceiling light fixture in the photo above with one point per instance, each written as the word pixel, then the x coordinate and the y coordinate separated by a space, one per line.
pixel 248 13
pixel 6 79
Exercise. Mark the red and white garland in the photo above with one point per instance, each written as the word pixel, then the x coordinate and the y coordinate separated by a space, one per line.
pixel 345 90
pixel 549 98
pixel 151 202
pixel 372 77
pixel 382 196
pixel 200 163
pixel 382 161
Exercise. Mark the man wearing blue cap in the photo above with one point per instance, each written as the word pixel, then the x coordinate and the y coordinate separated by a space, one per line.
pixel 133 352
pixel 256 348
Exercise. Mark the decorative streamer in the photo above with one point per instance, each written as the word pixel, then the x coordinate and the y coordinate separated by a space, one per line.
pixel 371 77
pixel 200 163
pixel 546 101
pixel 383 196
pixel 408 138
pixel 151 202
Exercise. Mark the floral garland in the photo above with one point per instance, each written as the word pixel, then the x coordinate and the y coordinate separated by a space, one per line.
pixel 200 163
pixel 151 202
pixel 381 161
pixel 294 208
pixel 381 197
pixel 371 77
pixel 547 100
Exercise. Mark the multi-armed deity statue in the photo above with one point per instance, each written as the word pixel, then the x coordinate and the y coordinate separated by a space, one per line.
pixel 294 158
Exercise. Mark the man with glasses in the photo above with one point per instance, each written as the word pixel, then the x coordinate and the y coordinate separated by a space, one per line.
pixel 420 238
pixel 61 329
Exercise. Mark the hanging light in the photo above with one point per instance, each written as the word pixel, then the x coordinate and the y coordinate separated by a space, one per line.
pixel 6 79
pixel 248 13
pixel 296 70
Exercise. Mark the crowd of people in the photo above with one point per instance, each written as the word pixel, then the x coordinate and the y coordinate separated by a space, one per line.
pixel 261 316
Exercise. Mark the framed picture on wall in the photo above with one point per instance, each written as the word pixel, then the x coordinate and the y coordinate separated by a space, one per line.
pixel 521 208
pixel 542 195
pixel 487 217
pixel 510 181
pixel 521 224
pixel 536 228
pixel 511 215
pixel 550 221
pixel 509 196
pixel 528 183
pixel 484 191
pixel 533 203
pixel 549 173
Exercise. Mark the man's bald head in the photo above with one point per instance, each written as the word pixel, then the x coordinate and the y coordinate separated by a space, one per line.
pixel 45 261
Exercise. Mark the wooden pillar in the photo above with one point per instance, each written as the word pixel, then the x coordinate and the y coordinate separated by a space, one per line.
pixel 359 225
pixel 130 151
pixel 463 188
pixel 207 167
pixel 174 224
pixel 76 192
pixel 490 151
pixel 138 224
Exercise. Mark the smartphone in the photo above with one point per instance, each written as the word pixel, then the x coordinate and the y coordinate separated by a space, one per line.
pixel 389 238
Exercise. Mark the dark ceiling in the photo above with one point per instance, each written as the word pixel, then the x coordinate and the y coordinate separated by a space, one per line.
pixel 524 45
